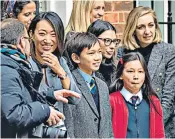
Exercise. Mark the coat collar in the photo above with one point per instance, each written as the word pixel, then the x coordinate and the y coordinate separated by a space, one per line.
pixel 85 91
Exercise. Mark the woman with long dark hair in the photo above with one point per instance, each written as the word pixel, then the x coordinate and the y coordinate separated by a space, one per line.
pixel 47 34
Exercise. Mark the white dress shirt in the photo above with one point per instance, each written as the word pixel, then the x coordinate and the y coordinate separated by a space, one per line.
pixel 127 95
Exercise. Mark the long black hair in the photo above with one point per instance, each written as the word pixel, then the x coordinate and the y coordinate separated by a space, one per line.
pixel 117 84
pixel 100 26
pixel 57 25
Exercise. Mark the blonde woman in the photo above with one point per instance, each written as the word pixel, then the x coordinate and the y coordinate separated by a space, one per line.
pixel 85 12
pixel 142 34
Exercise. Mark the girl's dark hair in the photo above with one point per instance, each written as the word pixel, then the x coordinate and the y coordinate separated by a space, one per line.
pixel 57 25
pixel 100 26
pixel 117 83
pixel 19 5
pixel 77 42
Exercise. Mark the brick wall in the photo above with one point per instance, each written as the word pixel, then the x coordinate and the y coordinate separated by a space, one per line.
pixel 116 12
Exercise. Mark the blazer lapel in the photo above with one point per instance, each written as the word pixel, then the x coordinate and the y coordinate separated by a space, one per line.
pixel 85 91
pixel 154 60
pixel 102 106
pixel 100 90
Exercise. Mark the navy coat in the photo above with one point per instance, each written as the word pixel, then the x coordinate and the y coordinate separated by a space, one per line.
pixel 20 113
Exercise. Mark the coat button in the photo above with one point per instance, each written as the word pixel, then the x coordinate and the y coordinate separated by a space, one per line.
pixel 95 119
pixel 158 89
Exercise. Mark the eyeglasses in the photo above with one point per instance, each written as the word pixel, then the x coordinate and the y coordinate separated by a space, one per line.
pixel 108 41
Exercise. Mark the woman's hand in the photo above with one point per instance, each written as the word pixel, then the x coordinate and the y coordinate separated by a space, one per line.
pixel 52 61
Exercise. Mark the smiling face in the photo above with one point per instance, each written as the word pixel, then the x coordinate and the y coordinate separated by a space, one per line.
pixel 107 51
pixel 44 38
pixel 97 11
pixel 90 59
pixel 133 76
pixel 145 30
pixel 27 14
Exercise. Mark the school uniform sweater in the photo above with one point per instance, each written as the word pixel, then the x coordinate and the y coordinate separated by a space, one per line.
pixel 120 116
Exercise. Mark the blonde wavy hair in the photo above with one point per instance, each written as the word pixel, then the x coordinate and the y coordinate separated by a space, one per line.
pixel 80 16
pixel 129 39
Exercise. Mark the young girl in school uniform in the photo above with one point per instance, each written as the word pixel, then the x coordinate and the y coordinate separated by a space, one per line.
pixel 136 109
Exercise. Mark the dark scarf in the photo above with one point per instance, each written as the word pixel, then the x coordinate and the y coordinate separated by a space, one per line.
pixel 107 69
pixel 146 52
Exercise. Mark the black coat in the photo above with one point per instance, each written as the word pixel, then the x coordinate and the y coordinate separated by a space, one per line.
pixel 106 72
pixel 20 113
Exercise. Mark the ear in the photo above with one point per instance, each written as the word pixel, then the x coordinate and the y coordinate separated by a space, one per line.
pixel 75 58
pixel 121 77
pixel 31 35
pixel 21 44
pixel 134 34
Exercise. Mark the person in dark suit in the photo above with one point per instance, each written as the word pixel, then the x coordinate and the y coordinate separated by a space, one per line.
pixel 91 117
pixel 142 34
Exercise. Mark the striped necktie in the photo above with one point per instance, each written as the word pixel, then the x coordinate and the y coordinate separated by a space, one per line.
pixel 134 99
pixel 93 87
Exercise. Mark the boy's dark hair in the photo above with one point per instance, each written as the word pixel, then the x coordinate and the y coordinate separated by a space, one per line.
pixel 117 84
pixel 77 42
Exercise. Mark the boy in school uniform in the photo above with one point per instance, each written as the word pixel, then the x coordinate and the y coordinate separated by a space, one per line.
pixel 91 117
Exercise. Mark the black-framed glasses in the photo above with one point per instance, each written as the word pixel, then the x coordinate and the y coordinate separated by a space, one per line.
pixel 108 41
